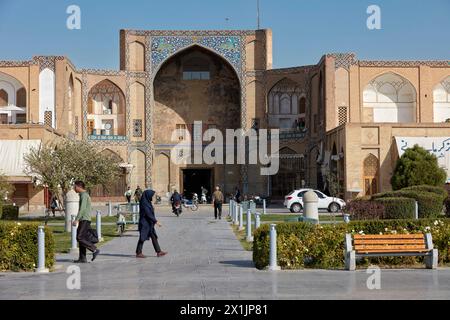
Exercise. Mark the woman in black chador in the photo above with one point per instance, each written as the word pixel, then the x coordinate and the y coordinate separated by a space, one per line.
pixel 147 221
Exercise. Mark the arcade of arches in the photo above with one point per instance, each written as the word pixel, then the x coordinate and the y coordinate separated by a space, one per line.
pixel 170 78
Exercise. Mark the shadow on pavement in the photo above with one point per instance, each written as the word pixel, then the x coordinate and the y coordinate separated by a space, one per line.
pixel 239 263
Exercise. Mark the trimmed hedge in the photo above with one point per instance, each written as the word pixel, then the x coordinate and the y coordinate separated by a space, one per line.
pixel 398 208
pixel 9 212
pixel 304 245
pixel 430 204
pixel 426 188
pixel 18 246
pixel 362 209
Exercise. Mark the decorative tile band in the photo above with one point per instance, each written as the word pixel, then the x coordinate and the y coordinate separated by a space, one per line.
pixel 229 47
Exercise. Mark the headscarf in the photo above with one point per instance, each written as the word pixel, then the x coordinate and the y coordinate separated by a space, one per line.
pixel 145 204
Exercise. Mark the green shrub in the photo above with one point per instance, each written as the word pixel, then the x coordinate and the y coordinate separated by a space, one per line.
pixel 430 204
pixel 426 188
pixel 361 209
pixel 18 246
pixel 447 207
pixel 304 245
pixel 398 208
pixel 9 212
pixel 415 167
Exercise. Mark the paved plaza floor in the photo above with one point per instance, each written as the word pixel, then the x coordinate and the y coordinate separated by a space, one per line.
pixel 206 261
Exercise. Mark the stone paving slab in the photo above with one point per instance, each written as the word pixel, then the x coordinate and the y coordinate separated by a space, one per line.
pixel 206 261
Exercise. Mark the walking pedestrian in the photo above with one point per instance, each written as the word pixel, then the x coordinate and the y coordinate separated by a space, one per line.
pixel 128 194
pixel 147 221
pixel 83 220
pixel 54 204
pixel 237 195
pixel 138 194
pixel 217 199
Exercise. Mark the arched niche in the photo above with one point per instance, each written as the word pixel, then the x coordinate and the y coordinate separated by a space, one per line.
pixel 389 97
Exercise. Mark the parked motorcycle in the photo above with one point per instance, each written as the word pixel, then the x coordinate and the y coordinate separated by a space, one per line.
pixel 259 200
pixel 177 208
pixel 191 204
pixel 203 199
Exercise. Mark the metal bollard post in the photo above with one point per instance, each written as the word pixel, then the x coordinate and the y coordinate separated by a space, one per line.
pixel 236 214
pixel 109 209
pixel 416 211
pixel 264 206
pixel 98 224
pixel 257 220
pixel 230 209
pixel 74 248
pixel 249 226
pixel 41 251
pixel 241 218
pixel 273 265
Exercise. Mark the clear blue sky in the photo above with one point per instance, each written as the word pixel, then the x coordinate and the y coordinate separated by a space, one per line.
pixel 303 30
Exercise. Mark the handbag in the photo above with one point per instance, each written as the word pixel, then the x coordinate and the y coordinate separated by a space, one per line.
pixel 93 235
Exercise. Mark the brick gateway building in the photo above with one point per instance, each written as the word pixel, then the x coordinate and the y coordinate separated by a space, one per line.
pixel 342 115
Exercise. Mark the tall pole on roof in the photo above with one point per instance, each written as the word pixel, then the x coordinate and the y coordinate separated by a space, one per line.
pixel 257 14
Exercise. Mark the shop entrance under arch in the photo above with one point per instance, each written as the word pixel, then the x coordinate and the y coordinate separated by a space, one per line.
pixel 192 180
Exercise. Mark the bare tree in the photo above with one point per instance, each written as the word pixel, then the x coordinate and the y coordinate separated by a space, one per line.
pixel 57 165
pixel 6 189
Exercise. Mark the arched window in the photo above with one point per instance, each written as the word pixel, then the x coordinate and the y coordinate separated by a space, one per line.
pixel 118 186
pixel 70 99
pixel 106 110
pixel 286 104
pixel 3 98
pixel 137 56
pixel 389 98
pixel 441 101
pixel 21 98
pixel 370 174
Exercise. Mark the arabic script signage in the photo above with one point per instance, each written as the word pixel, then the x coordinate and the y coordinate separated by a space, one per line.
pixel 439 146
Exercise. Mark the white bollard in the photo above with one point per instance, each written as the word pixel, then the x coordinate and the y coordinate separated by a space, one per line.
pixel 109 209
pixel 98 224
pixel 311 210
pixel 249 226
pixel 257 220
pixel 264 206
pixel 241 218
pixel 41 251
pixel 236 214
pixel 71 208
pixel 273 265
pixel 416 211
pixel 230 209
pixel 74 248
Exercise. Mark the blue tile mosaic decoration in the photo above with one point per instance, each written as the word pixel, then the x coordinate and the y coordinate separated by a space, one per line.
pixel 229 47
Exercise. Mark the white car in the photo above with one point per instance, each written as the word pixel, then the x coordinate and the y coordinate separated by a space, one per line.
pixel 294 201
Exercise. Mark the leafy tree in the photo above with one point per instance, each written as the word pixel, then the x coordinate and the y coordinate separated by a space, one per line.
pixel 415 167
pixel 6 189
pixel 57 166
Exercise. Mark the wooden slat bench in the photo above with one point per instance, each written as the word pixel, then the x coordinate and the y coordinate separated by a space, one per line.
pixel 390 245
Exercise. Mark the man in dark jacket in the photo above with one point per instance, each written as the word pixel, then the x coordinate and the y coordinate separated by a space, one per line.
pixel 176 197
pixel 237 195
pixel 147 221
pixel 83 220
